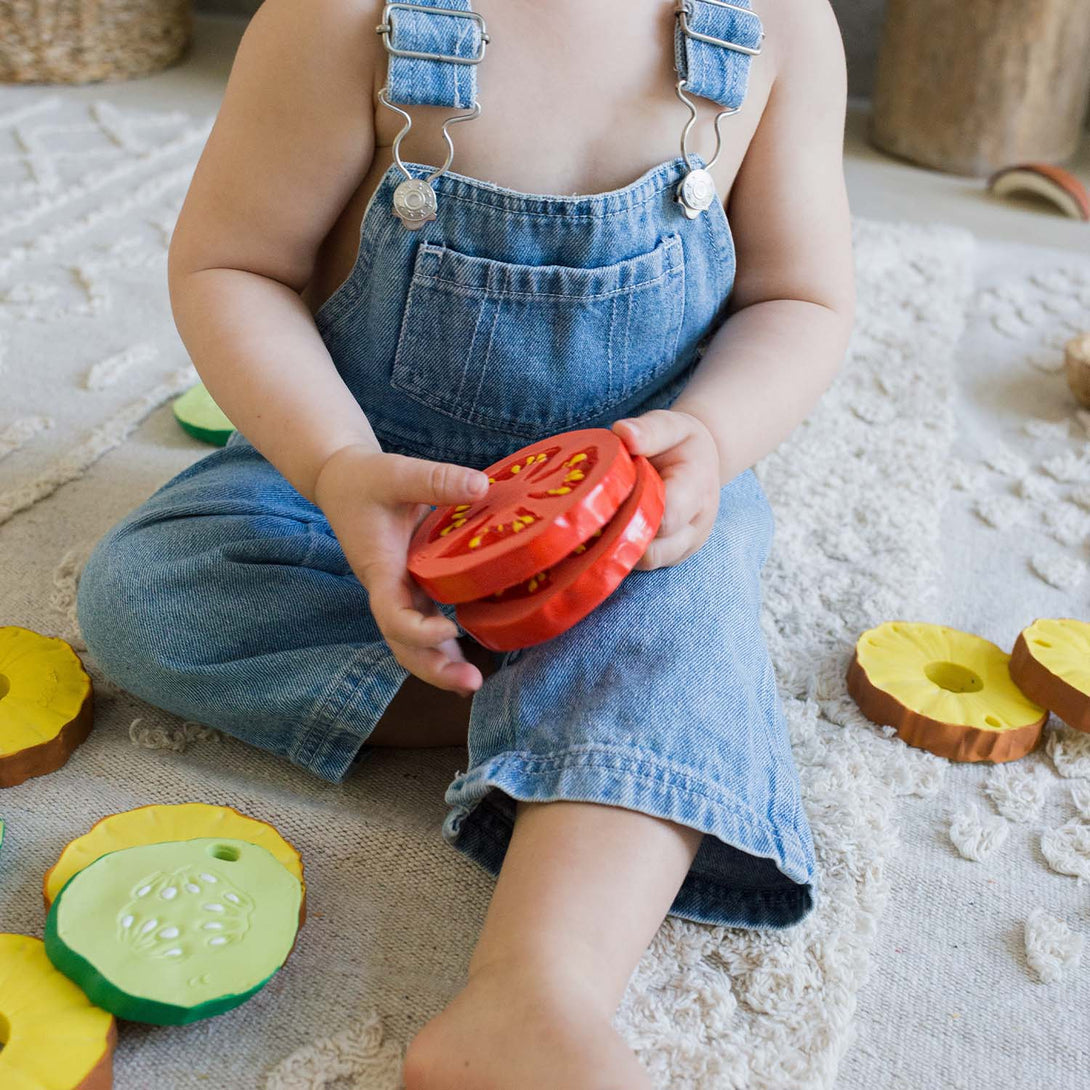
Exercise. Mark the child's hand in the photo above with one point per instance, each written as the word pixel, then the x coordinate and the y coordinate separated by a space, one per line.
pixel 686 456
pixel 373 502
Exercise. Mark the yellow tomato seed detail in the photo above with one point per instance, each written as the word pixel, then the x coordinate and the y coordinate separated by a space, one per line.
pixel 516 468
pixel 474 542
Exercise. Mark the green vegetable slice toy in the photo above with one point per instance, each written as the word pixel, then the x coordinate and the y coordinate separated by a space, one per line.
pixel 171 933
pixel 201 417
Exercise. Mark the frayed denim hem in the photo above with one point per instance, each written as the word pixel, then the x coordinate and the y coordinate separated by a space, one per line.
pixel 746 873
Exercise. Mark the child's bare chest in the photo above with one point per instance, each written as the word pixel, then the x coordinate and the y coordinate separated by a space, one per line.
pixel 575 98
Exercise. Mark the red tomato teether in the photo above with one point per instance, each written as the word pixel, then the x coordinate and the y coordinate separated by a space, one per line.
pixel 553 600
pixel 543 501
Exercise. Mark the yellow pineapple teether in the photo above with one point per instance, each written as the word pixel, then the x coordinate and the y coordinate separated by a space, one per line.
pixel 45 704
pixel 945 691
pixel 54 1039
pixel 1051 664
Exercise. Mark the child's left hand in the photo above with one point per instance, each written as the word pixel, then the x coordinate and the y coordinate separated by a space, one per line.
pixel 686 456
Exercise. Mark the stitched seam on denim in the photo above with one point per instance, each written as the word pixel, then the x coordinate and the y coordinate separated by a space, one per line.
pixel 469 353
pixel 670 247
pixel 679 319
pixel 589 755
pixel 452 180
pixel 512 424
pixel 609 349
pixel 336 303
pixel 326 707
pixel 577 297
pixel 487 354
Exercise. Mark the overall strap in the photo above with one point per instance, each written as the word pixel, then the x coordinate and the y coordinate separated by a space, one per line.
pixel 434 47
pixel 713 44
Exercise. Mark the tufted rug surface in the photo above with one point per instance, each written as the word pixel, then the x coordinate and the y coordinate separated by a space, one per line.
pixel 980 978
pixel 88 362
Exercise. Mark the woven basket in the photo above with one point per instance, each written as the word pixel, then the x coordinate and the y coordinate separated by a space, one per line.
pixel 81 41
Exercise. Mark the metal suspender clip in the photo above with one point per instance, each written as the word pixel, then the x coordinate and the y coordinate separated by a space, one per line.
pixel 696 191
pixel 414 201
pixel 384 29
pixel 683 10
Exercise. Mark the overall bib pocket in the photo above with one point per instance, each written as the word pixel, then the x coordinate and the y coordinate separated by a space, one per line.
pixel 533 349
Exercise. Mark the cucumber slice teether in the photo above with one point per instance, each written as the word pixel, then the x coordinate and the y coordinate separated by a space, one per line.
pixel 175 932
pixel 201 417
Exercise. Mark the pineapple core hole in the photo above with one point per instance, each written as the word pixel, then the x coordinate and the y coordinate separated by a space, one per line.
pixel 992 721
pixel 5 1029
pixel 5 687
pixel 953 677
pixel 1042 643
pixel 225 852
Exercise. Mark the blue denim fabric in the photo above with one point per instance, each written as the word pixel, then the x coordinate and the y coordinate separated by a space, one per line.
pixel 226 598
pixel 714 71
pixel 414 81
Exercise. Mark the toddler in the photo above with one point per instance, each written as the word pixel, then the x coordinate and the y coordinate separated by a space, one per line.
pixel 380 326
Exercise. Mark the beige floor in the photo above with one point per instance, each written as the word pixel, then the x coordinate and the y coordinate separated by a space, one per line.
pixel 879 187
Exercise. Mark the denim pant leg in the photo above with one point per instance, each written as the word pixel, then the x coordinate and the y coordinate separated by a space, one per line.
pixel 225 598
pixel 662 700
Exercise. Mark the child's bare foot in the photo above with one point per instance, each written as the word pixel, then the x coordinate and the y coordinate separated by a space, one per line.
pixel 508 1031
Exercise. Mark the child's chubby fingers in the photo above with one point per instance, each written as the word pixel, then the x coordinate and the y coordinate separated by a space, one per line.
pixel 403 615
pixel 444 666
pixel 418 480
pixel 654 432
pixel 684 502
pixel 665 551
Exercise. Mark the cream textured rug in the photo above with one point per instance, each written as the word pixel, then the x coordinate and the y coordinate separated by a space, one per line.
pixel 981 977
pixel 88 359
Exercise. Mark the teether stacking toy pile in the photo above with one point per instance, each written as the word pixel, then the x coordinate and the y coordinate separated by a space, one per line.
pixel 962 697
pixel 162 914
pixel 563 522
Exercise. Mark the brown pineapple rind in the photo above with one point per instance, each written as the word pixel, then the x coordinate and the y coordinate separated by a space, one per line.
pixel 955 741
pixel 101 1076
pixel 49 756
pixel 1049 690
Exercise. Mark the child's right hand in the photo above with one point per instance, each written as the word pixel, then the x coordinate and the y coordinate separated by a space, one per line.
pixel 374 501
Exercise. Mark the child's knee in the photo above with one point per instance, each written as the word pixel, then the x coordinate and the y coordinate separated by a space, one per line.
pixel 114 607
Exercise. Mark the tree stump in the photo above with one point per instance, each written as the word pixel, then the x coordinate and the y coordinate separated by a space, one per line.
pixel 969 86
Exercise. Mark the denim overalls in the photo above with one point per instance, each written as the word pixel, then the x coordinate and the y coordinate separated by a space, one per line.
pixel 465 332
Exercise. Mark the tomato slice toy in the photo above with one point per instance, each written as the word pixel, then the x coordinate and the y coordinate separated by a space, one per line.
pixel 542 502
pixel 553 600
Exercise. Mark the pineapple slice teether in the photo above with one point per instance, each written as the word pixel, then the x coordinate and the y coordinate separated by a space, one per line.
pixel 45 704
pixel 945 691
pixel 1051 664
pixel 53 1038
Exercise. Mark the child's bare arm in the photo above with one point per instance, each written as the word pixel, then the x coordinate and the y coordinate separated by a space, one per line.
pixel 792 304
pixel 793 298
pixel 294 135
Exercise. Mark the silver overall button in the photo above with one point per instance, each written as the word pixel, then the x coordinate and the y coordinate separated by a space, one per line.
pixel 414 203
pixel 696 192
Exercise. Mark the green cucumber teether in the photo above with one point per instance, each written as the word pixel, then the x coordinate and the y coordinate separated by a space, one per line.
pixel 201 417
pixel 174 932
